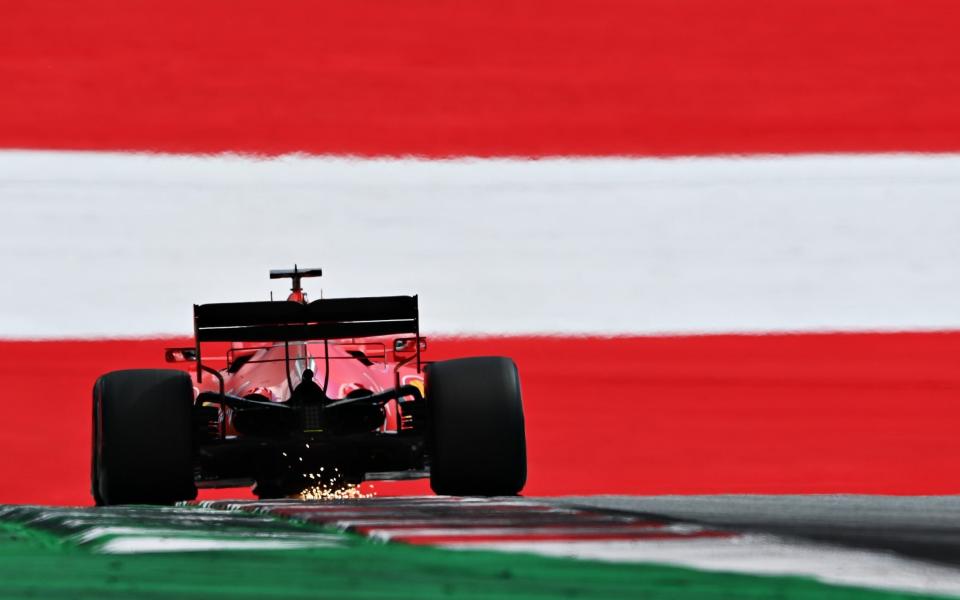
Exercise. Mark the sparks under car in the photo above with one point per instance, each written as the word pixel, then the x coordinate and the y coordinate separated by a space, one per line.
pixel 331 392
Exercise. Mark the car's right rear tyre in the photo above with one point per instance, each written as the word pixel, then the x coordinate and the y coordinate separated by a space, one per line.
pixel 142 438
pixel 476 436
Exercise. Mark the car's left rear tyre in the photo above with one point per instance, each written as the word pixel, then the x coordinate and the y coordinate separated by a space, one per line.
pixel 142 438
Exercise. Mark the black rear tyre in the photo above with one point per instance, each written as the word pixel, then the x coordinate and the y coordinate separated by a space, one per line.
pixel 476 435
pixel 142 438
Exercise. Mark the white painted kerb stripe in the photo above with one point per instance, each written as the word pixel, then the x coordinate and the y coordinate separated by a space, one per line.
pixel 144 543
pixel 100 244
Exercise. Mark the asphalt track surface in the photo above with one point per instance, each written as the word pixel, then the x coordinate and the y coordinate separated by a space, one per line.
pixel 895 544
pixel 922 527
pixel 925 527
pixel 298 549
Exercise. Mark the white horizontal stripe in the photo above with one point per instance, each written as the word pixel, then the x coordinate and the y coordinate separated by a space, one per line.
pixel 108 244
pixel 139 544
pixel 96 533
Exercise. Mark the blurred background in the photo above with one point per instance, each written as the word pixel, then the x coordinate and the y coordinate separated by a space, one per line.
pixel 719 238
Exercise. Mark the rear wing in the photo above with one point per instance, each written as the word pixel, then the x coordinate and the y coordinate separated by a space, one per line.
pixel 286 321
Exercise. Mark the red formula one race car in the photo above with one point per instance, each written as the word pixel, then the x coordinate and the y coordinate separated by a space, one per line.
pixel 313 394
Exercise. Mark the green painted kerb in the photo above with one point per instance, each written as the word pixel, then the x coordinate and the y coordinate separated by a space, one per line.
pixel 38 563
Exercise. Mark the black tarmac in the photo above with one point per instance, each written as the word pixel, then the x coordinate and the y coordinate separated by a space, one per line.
pixel 922 527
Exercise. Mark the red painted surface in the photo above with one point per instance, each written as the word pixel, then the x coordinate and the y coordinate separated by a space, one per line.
pixel 767 414
pixel 447 77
